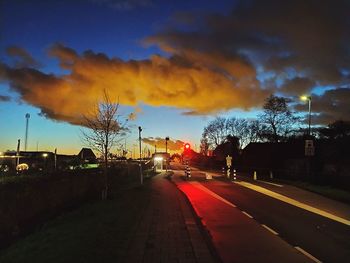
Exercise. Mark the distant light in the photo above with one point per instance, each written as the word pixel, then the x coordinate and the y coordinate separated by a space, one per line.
pixel 187 146
pixel 158 158
pixel 45 155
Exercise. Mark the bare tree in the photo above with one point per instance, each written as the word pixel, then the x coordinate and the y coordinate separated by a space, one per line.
pixel 277 117
pixel 256 129
pixel 215 132
pixel 239 128
pixel 103 128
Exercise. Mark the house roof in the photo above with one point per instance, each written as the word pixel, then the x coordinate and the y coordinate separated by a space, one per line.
pixel 86 153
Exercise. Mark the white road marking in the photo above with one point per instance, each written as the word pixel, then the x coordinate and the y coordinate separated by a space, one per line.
pixel 203 188
pixel 294 202
pixel 308 254
pixel 274 184
pixel 248 215
pixel 269 229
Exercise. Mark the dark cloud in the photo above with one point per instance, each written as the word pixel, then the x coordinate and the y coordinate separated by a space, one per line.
pixel 311 36
pixel 332 105
pixel 22 57
pixel 297 86
pixel 308 37
pixel 4 98
pixel 173 145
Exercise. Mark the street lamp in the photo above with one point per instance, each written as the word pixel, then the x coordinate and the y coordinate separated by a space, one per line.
pixel 141 176
pixel 166 144
pixel 45 155
pixel 26 134
pixel 308 98
pixel 166 151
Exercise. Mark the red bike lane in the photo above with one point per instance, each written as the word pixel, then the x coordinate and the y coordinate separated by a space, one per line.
pixel 236 236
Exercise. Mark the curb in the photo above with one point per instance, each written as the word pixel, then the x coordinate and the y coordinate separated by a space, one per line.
pixel 202 229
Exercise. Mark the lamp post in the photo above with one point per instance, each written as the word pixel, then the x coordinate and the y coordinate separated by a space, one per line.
pixel 166 144
pixel 308 98
pixel 26 134
pixel 45 155
pixel 141 176
pixel 166 151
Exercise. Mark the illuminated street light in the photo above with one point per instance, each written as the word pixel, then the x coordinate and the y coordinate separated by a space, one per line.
pixel 308 98
pixel 45 155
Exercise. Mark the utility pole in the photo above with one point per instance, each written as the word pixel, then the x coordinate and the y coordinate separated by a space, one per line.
pixel 166 144
pixel 141 176
pixel 26 136
pixel 166 151
pixel 55 159
pixel 18 152
pixel 309 99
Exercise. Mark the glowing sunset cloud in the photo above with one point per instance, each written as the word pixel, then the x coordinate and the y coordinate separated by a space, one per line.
pixel 198 83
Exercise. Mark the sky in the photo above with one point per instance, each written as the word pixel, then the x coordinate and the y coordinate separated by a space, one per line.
pixel 173 65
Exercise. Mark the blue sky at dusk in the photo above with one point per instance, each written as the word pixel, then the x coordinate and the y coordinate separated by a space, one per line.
pixel 176 64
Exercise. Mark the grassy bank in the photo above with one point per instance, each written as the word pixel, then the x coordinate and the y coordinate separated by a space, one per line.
pixel 96 232
pixel 28 201
pixel 327 191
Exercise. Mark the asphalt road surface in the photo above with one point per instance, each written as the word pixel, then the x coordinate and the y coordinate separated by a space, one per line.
pixel 247 226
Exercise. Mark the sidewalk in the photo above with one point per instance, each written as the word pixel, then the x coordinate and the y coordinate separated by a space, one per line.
pixel 167 231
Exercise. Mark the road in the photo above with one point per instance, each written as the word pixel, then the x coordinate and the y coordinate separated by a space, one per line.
pixel 248 226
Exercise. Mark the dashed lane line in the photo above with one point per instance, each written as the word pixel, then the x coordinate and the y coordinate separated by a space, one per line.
pixel 269 229
pixel 308 254
pixel 294 202
pixel 203 188
pixel 274 184
pixel 248 215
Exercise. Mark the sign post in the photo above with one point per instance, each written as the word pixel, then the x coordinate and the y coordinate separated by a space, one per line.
pixel 309 148
pixel 309 152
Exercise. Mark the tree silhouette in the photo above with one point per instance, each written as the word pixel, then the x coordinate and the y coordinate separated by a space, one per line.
pixel 103 128
pixel 215 132
pixel 336 129
pixel 277 117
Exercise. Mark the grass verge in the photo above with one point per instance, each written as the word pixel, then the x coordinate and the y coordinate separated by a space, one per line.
pixel 327 191
pixel 96 232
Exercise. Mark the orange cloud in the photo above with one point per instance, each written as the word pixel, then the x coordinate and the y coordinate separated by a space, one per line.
pixel 173 145
pixel 195 82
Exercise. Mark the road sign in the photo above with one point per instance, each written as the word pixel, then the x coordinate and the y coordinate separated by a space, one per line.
pixel 309 148
pixel 228 161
